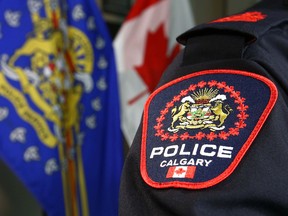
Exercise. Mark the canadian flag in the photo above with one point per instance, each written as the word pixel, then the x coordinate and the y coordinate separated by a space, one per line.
pixel 144 46
pixel 181 172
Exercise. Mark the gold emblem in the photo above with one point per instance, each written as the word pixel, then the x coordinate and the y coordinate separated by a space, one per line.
pixel 204 108
pixel 47 83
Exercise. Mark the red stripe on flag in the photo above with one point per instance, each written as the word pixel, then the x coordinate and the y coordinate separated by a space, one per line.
pixel 139 7
pixel 190 172
pixel 170 172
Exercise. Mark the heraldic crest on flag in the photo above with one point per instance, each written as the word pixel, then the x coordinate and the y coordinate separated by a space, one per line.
pixel 50 97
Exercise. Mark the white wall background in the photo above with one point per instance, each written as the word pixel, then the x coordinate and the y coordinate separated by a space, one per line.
pixel 15 200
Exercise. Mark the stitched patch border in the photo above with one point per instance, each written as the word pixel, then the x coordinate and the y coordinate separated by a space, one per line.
pixel 189 171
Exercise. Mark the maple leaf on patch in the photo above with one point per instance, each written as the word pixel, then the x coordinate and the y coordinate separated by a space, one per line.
pixel 212 83
pixel 158 126
pixel 223 135
pixel 242 116
pixel 156 58
pixel 201 84
pixel 160 119
pixel 242 107
pixel 235 94
pixel 164 136
pixel 192 87
pixel 234 131
pixel 184 92
pixel 176 98
pixel 164 112
pixel 173 137
pixel 240 100
pixel 229 89
pixel 221 85
pixel 240 124
pixel 211 136
pixel 180 171
pixel 169 104
pixel 184 136
pixel 159 133
pixel 199 136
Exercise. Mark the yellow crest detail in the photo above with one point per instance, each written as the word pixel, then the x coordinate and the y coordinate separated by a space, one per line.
pixel 26 113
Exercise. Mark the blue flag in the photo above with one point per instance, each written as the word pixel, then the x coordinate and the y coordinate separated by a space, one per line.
pixel 59 111
pixel 100 122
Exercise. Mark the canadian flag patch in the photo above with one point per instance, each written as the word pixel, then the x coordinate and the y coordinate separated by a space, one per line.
pixel 181 172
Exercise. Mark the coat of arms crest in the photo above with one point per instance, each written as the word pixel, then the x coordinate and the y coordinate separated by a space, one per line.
pixel 204 108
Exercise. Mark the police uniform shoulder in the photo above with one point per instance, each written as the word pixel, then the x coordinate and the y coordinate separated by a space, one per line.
pixel 202 119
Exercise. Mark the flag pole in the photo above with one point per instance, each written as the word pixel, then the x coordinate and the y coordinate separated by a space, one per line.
pixel 68 168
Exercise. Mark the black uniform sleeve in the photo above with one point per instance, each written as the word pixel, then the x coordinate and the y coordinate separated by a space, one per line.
pixel 213 137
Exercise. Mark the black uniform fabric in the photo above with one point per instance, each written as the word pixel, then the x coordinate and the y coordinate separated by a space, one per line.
pixel 258 185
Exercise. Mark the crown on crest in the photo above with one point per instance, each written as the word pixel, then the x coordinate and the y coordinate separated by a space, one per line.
pixel 203 96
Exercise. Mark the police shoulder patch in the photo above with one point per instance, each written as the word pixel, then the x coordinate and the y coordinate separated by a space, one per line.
pixel 197 128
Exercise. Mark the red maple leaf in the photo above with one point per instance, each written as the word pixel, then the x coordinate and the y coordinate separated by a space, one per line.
pixel 234 131
pixel 164 136
pixel 169 104
pixel 242 107
pixel 180 171
pixel 176 98
pixel 223 135
pixel 192 87
pixel 160 119
pixel 199 136
pixel 173 137
pixel 211 136
pixel 240 124
pixel 240 100
pixel 242 116
pixel 229 89
pixel 202 84
pixel 156 59
pixel 159 133
pixel 158 126
pixel 221 85
pixel 184 92
pixel 184 136
pixel 212 83
pixel 235 94
pixel 164 111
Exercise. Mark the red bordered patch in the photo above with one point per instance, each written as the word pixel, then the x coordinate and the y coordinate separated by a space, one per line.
pixel 197 128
